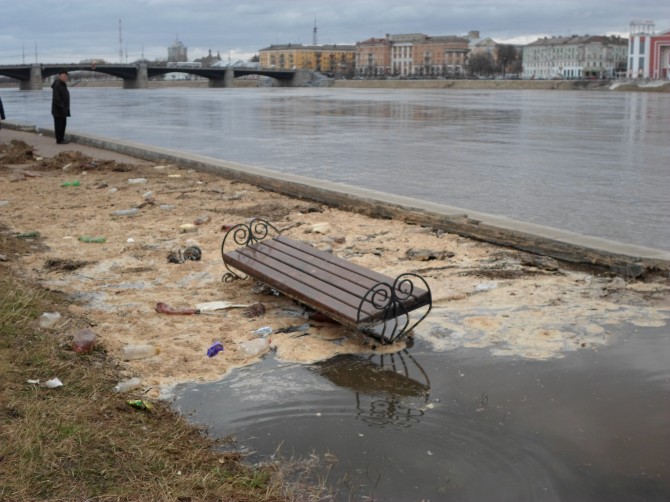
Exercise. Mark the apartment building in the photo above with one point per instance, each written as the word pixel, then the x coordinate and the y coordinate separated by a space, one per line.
pixel 334 60
pixel 575 57
pixel 412 54
pixel 648 52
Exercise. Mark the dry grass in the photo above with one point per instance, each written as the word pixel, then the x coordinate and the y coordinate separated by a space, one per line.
pixel 82 441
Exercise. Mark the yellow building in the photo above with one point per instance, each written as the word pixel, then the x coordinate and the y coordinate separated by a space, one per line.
pixel 332 60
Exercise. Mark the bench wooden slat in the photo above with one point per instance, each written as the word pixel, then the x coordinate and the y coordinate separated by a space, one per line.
pixel 332 274
pixel 330 305
pixel 372 276
pixel 311 279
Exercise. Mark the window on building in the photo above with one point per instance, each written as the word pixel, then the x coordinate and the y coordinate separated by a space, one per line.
pixel 642 45
pixel 640 63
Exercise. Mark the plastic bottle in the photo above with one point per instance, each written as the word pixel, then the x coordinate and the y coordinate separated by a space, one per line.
pixel 126 212
pixel 128 385
pixel 83 341
pixel 255 347
pixel 49 319
pixel 137 181
pixel 263 332
pixel 74 183
pixel 139 351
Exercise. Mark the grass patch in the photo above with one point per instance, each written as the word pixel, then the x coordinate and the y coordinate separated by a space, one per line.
pixel 82 441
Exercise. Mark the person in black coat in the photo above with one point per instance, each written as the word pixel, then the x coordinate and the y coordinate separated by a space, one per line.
pixel 2 113
pixel 60 106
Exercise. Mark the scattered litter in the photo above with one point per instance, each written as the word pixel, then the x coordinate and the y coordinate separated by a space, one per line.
pixel 137 181
pixel 201 220
pixel 188 227
pixel 219 305
pixel 33 382
pixel 112 190
pixel 88 238
pixel 214 349
pixel 126 212
pixel 53 383
pixel 486 286
pixel 193 253
pixel 139 351
pixel 167 207
pixel 139 404
pixel 293 329
pixel 130 240
pixel 83 341
pixel 28 235
pixel 128 385
pixel 263 332
pixel 74 183
pixel 49 319
pixel 174 175
pixel 4 203
pixel 320 228
pixel 164 308
pixel 255 347
pixel 255 310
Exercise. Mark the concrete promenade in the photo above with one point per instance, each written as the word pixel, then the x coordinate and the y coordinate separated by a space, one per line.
pixel 627 260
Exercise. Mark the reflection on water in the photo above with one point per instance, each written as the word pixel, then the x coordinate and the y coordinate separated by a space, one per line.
pixel 461 425
pixel 590 162
pixel 382 386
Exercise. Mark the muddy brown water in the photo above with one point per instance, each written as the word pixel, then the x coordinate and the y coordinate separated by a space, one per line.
pixel 461 424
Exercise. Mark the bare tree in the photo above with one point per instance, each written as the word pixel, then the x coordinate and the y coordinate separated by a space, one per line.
pixel 481 64
pixel 506 54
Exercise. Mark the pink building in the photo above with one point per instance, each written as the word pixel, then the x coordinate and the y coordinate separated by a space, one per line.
pixel 648 52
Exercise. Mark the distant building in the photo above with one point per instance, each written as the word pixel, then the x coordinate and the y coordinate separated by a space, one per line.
pixel 177 52
pixel 412 54
pixel 575 57
pixel 209 60
pixel 648 52
pixel 334 60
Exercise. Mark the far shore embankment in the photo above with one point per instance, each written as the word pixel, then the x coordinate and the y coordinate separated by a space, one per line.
pixel 503 84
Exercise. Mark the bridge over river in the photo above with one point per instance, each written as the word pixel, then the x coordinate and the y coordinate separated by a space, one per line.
pixel 136 76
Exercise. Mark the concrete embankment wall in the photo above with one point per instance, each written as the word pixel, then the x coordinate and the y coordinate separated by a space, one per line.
pixel 559 85
pixel 624 259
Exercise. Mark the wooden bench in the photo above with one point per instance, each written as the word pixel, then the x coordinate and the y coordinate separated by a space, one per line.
pixel 350 294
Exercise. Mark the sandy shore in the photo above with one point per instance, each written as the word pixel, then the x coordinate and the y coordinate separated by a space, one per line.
pixel 508 302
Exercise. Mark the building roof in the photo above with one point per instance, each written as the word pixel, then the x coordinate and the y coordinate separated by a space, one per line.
pixel 300 47
pixel 578 39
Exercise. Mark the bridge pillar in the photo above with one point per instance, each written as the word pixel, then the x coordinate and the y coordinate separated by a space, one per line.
pixel 35 82
pixel 301 78
pixel 226 81
pixel 141 80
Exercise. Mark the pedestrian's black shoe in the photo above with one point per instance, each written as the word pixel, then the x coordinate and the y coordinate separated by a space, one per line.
pixel 63 142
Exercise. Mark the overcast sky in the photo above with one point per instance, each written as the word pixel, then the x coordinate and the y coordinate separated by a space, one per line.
pixel 63 31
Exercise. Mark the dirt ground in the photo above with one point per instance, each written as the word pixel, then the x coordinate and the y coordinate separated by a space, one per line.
pixel 487 296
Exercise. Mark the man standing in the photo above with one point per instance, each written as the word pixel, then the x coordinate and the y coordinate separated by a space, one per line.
pixel 2 113
pixel 60 106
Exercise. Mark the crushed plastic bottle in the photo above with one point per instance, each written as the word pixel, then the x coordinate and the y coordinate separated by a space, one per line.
pixel 263 332
pixel 128 385
pixel 126 212
pixel 255 347
pixel 49 319
pixel 139 351
pixel 83 341
pixel 74 183
pixel 137 181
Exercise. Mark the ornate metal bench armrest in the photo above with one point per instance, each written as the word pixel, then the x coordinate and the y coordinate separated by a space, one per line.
pixel 394 303
pixel 244 234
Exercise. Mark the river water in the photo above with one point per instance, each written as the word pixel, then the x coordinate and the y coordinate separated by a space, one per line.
pixel 592 162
